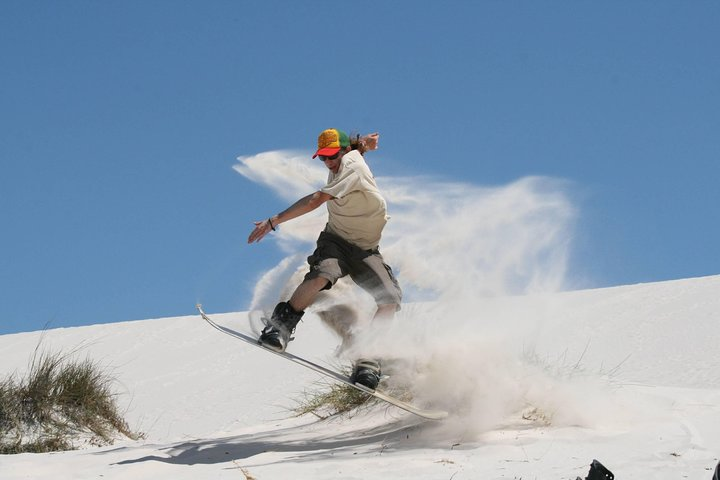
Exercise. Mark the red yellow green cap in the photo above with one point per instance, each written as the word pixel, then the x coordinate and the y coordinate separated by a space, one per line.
pixel 331 141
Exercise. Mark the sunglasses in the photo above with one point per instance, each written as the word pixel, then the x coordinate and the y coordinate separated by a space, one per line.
pixel 334 157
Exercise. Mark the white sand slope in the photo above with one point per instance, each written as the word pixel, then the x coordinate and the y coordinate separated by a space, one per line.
pixel 537 387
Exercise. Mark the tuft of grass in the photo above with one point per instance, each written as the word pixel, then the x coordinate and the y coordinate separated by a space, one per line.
pixel 58 402
pixel 329 399
pixel 333 399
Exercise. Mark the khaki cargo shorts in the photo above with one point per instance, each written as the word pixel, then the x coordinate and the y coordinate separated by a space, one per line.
pixel 335 258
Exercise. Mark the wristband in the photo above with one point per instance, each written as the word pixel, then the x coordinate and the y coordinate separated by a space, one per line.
pixel 272 227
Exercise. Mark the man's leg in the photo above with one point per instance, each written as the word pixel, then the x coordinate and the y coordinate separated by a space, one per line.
pixel 286 315
pixel 385 312
pixel 366 371
pixel 306 292
pixel 324 271
pixel 376 277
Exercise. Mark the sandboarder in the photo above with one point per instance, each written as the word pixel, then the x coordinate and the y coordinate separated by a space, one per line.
pixel 349 244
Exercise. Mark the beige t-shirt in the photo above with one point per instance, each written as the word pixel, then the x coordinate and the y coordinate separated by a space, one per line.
pixel 358 212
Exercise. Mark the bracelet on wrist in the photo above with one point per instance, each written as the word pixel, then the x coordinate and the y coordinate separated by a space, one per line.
pixel 272 227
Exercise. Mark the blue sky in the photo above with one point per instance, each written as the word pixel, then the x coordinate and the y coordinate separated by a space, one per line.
pixel 121 122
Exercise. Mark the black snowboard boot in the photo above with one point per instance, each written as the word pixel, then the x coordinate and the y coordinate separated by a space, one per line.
pixel 281 326
pixel 366 373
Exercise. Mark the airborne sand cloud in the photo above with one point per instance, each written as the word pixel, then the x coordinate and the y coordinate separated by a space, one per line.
pixel 450 244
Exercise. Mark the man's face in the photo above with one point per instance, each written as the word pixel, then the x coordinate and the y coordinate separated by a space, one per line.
pixel 333 162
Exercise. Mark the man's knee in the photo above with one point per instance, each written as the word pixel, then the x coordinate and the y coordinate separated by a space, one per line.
pixel 320 283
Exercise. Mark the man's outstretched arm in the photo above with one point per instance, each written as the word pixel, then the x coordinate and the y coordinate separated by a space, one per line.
pixel 306 204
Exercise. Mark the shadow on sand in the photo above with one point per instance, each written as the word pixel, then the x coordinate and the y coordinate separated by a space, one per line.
pixel 303 443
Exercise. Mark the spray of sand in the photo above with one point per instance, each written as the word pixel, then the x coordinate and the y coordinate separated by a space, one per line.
pixel 456 248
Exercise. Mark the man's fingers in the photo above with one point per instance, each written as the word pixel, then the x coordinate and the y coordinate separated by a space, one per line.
pixel 259 232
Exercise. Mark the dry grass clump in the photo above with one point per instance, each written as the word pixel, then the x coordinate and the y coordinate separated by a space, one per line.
pixel 333 398
pixel 59 402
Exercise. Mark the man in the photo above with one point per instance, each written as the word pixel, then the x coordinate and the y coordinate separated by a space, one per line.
pixel 357 214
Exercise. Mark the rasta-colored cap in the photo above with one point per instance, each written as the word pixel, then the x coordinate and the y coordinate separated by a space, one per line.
pixel 331 141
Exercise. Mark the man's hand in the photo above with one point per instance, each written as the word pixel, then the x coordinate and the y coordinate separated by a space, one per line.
pixel 261 229
pixel 306 204
pixel 370 141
